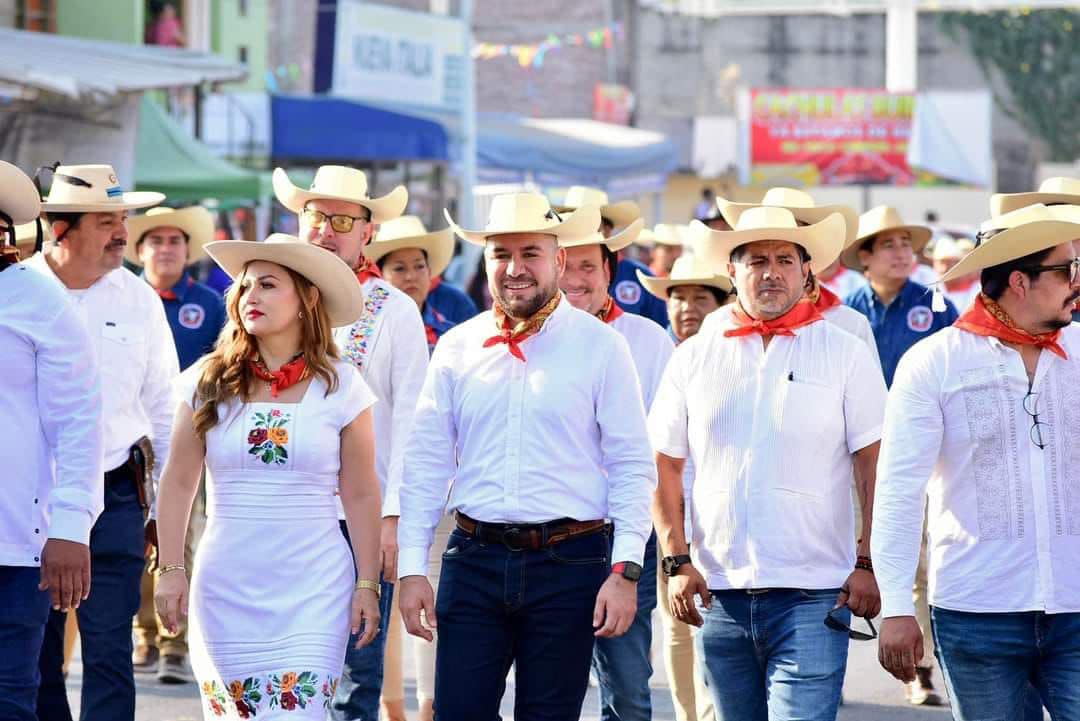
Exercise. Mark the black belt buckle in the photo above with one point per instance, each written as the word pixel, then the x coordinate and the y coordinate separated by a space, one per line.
pixel 511 538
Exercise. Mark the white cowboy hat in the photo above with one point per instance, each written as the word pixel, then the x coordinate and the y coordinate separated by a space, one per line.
pixel 197 222
pixel 26 237
pixel 620 214
pixel 19 197
pixel 615 243
pixel 800 204
pixel 687 270
pixel 408 231
pixel 822 240
pixel 340 293
pixel 878 220
pixel 1051 190
pixel 669 234
pixel 93 189
pixel 946 248
pixel 646 238
pixel 529 213
pixel 339 182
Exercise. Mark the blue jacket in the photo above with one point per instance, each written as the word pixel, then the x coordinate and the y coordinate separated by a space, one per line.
pixel 196 314
pixel 631 295
pixel 451 302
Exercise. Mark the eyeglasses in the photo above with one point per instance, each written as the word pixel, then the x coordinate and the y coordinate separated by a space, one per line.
pixel 1072 268
pixel 1031 407
pixel 340 223
pixel 834 623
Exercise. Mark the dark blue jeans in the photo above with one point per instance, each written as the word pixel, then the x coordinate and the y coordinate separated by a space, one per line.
pixel 622 664
pixel 23 612
pixel 990 660
pixel 357 697
pixel 116 566
pixel 498 607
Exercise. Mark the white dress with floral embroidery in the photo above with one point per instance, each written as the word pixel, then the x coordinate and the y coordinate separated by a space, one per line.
pixel 273 576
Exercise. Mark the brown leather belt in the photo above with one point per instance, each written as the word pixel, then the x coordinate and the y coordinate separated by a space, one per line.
pixel 529 536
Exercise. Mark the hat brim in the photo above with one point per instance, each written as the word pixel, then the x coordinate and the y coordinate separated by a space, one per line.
pixel 615 243
pixel 1001 203
pixel 439 247
pixel 1014 243
pixel 661 287
pixel 388 207
pixel 920 236
pixel 21 200
pixel 340 292
pixel 126 201
pixel 196 222
pixel 823 241
pixel 732 211
pixel 620 214
pixel 579 224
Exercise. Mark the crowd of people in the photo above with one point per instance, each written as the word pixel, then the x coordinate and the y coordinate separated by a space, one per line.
pixel 762 422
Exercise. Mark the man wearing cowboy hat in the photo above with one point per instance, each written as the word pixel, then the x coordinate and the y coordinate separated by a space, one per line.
pixel 982 428
pixel 534 411
pixel 51 406
pixel 622 665
pixel 668 246
pixel 87 211
pixel 777 410
pixel 389 346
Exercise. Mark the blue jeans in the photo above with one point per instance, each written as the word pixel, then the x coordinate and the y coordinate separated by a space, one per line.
pixel 622 664
pixel 769 656
pixel 116 567
pixel 23 612
pixel 497 607
pixel 990 660
pixel 357 697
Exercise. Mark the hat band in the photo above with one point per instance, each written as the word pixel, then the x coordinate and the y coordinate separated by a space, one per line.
pixel 115 192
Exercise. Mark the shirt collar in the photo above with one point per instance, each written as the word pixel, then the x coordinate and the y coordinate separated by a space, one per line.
pixel 180 289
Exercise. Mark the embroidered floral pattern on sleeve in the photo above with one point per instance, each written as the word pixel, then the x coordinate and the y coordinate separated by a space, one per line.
pixel 288 691
pixel 269 436
pixel 358 345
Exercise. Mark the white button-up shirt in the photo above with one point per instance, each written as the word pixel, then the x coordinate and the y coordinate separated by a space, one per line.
pixel 559 435
pixel 51 406
pixel 1003 515
pixel 651 347
pixel 771 433
pixel 855 323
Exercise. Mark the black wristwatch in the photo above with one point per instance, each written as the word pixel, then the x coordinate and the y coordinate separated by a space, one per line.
pixel 628 570
pixel 671 564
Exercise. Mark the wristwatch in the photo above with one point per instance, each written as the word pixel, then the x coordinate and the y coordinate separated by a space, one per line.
pixel 627 569
pixel 671 564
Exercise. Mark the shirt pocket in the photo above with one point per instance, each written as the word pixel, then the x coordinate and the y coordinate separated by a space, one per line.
pixel 810 427
pixel 122 349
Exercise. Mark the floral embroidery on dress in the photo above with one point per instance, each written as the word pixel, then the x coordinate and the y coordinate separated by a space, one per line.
pixel 246 696
pixel 215 697
pixel 357 345
pixel 329 688
pixel 291 689
pixel 269 437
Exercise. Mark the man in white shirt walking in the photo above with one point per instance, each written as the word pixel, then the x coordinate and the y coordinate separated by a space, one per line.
pixel 543 435
pixel 983 423
pixel 776 409
pixel 130 337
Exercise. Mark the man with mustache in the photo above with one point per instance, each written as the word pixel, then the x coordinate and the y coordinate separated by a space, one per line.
pixel 534 411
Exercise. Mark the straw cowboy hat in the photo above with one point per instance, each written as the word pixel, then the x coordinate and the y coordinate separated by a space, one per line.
pixel 878 220
pixel 19 199
pixel 530 213
pixel 687 270
pixel 800 204
pixel 646 238
pixel 408 231
pixel 340 293
pixel 822 240
pixel 946 248
pixel 93 189
pixel 196 222
pixel 669 234
pixel 1052 190
pixel 620 214
pixel 26 237
pixel 338 182
pixel 615 243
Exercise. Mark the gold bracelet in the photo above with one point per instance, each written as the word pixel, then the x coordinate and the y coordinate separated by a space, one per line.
pixel 171 567
pixel 370 586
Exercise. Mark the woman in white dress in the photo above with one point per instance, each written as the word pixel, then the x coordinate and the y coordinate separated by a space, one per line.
pixel 282 425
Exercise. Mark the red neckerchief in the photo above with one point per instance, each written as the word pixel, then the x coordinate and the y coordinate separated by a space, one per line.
pixel 802 313
pixel 288 375
pixel 435 283
pixel 512 334
pixel 822 297
pixel 169 294
pixel 610 311
pixel 367 271
pixel 987 318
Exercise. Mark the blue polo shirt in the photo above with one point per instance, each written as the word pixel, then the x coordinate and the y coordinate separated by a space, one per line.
pixel 196 314
pixel 902 323
pixel 435 325
pixel 451 302
pixel 631 295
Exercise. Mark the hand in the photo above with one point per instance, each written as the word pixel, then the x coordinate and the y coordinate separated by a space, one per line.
pixel 415 595
pixel 860 594
pixel 150 543
pixel 900 646
pixel 65 572
pixel 682 587
pixel 171 599
pixel 365 616
pixel 616 606
pixel 388 548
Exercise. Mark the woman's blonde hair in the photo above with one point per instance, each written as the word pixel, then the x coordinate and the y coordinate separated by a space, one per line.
pixel 226 373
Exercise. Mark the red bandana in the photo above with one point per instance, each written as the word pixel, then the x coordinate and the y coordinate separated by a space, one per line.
pixel 512 334
pixel 822 297
pixel 987 318
pixel 165 294
pixel 802 313
pixel 432 337
pixel 289 375
pixel 367 271
pixel 610 311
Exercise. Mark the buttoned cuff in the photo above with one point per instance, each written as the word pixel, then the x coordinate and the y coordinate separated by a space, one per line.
pixel 897 604
pixel 628 547
pixel 70 525
pixel 412 562
pixel 391 506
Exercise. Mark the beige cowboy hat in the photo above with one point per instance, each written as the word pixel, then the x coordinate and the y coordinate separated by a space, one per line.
pixel 878 220
pixel 26 237
pixel 822 240
pixel 339 182
pixel 620 214
pixel 93 189
pixel 687 270
pixel 801 205
pixel 946 248
pixel 341 294
pixel 196 222
pixel 669 234
pixel 615 243
pixel 530 213
pixel 1051 190
pixel 19 197
pixel 408 231
pixel 1020 232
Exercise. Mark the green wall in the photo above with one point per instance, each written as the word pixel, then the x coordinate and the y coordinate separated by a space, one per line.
pixel 122 21
pixel 229 31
